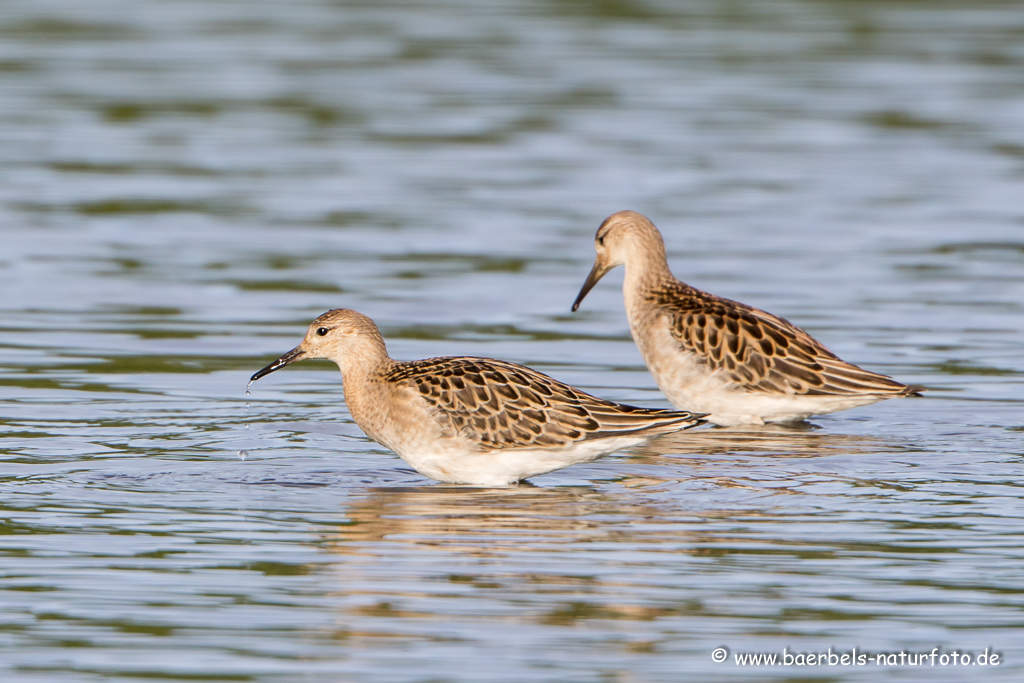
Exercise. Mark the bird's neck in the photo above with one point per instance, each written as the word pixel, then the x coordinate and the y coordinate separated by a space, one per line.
pixel 366 393
pixel 363 359
pixel 645 270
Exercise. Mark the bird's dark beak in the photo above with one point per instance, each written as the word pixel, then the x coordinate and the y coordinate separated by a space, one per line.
pixel 596 273
pixel 295 354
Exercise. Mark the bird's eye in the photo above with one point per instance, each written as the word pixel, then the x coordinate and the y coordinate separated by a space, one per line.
pixel 600 240
pixel 322 331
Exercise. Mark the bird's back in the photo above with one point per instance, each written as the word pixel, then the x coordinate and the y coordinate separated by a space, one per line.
pixel 502 405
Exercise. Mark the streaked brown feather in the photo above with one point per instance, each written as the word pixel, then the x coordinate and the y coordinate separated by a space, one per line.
pixel 505 405
pixel 761 352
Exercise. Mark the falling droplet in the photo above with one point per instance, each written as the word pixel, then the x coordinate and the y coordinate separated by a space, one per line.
pixel 242 455
pixel 247 393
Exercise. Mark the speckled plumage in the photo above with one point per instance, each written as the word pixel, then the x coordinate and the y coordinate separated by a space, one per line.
pixel 472 420
pixel 707 353
pixel 505 405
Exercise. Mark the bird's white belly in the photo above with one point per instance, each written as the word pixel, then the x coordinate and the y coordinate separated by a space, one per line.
pixel 500 468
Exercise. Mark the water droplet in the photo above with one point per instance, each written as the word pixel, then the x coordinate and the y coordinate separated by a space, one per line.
pixel 242 455
pixel 247 403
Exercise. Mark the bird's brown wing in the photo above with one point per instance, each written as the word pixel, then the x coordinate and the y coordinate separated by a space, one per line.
pixel 505 405
pixel 760 352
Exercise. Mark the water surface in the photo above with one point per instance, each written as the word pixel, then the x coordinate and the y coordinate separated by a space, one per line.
pixel 185 185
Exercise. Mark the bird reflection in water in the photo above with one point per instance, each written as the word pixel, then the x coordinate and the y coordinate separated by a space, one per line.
pixel 800 440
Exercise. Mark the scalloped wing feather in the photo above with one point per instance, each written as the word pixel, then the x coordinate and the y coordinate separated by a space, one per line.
pixel 760 352
pixel 503 405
